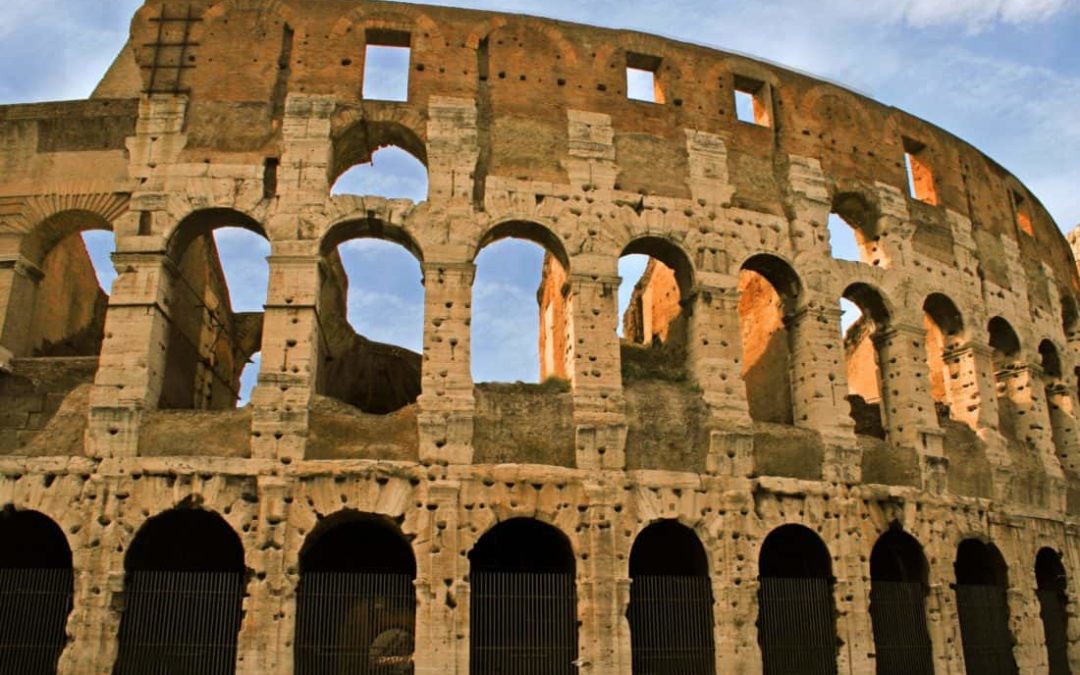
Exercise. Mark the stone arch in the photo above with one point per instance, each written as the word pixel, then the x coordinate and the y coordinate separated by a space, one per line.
pixel 356 602
pixel 1052 590
pixel 520 570
pixel 1050 359
pixel 671 603
pixel 529 230
pixel 356 142
pixel 945 332
pixel 1003 339
pixel 796 611
pixel 369 228
pixel 672 254
pixel 866 370
pixel 1006 350
pixel 183 592
pixel 899 582
pixel 982 580
pixel 37 584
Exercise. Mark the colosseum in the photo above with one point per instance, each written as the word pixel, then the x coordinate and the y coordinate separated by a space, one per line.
pixel 732 483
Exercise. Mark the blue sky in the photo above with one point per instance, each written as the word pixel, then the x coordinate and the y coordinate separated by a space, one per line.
pixel 1001 74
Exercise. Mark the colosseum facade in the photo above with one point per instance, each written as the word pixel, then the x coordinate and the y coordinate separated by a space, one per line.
pixel 734 486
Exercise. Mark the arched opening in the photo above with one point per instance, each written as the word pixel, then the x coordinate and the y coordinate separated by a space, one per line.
pixel 768 294
pixel 944 333
pixel 981 584
pixel 1005 350
pixel 656 279
pixel 183 592
pixel 36 587
pixel 898 587
pixel 215 315
pixel 1053 608
pixel 1060 404
pixel 372 310
pixel 671 603
pixel 523 607
pixel 356 604
pixel 70 298
pixel 853 230
pixel 389 172
pixel 796 614
pixel 863 365
pixel 521 305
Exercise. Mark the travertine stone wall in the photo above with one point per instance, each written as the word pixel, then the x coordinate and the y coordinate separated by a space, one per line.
pixel 526 131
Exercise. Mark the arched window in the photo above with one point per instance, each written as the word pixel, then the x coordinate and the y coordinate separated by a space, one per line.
pixel 853 231
pixel 864 368
pixel 944 332
pixel 372 316
pixel 520 310
pixel 215 312
pixel 898 586
pixel 1053 602
pixel 356 604
pixel 981 584
pixel 768 293
pixel 656 278
pixel 183 592
pixel 390 172
pixel 36 586
pixel 671 603
pixel 796 613
pixel 523 607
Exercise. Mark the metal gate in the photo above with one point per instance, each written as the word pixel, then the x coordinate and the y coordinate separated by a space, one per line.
pixel 1055 626
pixel 984 629
pixel 180 623
pixel 671 626
pixel 34 606
pixel 356 623
pixel 523 624
pixel 797 626
pixel 901 640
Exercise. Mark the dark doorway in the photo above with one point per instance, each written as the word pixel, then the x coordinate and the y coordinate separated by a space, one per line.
pixel 1052 586
pixel 898 606
pixel 796 614
pixel 671 603
pixel 524 604
pixel 183 595
pixel 36 586
pixel 356 603
pixel 981 583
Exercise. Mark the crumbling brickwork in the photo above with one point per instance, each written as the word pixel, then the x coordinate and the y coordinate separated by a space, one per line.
pixel 949 427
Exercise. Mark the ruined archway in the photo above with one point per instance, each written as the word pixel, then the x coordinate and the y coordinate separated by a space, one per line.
pixel 768 294
pixel 671 603
pixel 183 591
pixel 1005 351
pixel 983 608
pixel 853 230
pixel 209 341
pixel 865 368
pixel 1052 590
pixel 944 333
pixel 356 603
pixel 796 612
pixel 523 607
pixel 36 587
pixel 898 587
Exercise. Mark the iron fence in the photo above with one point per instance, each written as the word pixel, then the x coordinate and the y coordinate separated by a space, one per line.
pixel 901 640
pixel 671 626
pixel 1055 626
pixel 984 629
pixel 34 606
pixel 797 626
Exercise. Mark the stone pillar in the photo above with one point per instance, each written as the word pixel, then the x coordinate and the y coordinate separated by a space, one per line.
pixel 289 370
pixel 714 352
pixel 442 607
pixel 595 372
pixel 1062 404
pixel 447 403
pixel 266 638
pixel 1023 386
pixel 131 368
pixel 18 285
pixel 735 613
pixel 908 409
pixel 942 617
pixel 851 593
pixel 971 385
pixel 603 589
pixel 1025 620
pixel 819 389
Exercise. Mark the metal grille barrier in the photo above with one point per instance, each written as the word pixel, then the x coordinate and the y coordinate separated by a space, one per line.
pixel 984 629
pixel 797 626
pixel 901 640
pixel 356 623
pixel 523 624
pixel 671 626
pixel 180 623
pixel 1055 626
pixel 34 606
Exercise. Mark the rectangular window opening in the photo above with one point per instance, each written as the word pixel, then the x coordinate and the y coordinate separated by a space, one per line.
pixel 1023 214
pixel 386 65
pixel 753 101
pixel 642 83
pixel 920 176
